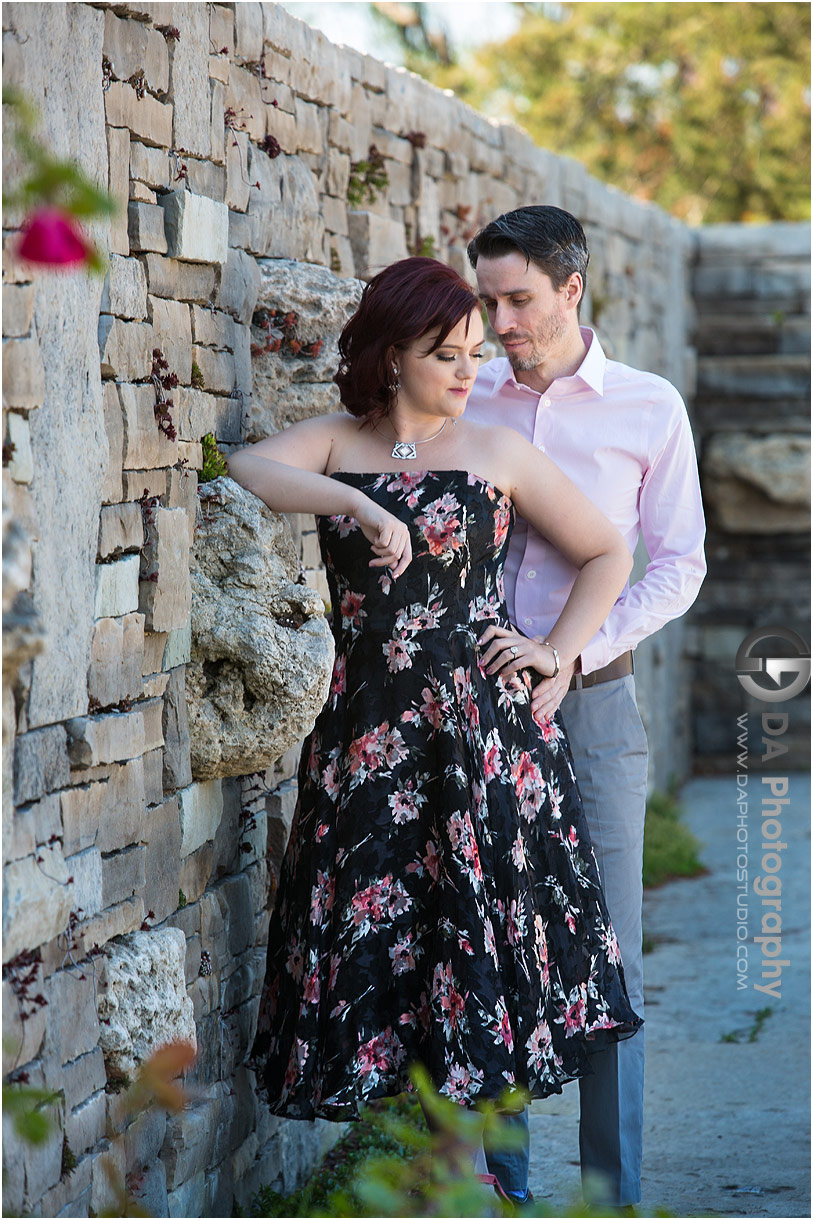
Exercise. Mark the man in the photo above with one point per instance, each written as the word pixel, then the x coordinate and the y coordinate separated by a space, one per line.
pixel 623 437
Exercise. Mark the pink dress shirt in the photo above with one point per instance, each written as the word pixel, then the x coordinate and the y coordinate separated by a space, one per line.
pixel 623 437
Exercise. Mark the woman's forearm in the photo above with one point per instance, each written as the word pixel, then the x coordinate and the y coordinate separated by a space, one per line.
pixel 287 489
pixel 595 591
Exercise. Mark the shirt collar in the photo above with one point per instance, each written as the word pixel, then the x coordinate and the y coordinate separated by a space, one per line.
pixel 591 370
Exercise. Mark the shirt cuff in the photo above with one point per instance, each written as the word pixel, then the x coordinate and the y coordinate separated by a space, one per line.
pixel 596 654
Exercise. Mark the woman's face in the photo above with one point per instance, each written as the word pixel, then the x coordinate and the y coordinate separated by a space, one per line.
pixel 438 383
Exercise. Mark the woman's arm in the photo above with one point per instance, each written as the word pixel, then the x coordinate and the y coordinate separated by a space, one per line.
pixel 556 508
pixel 286 471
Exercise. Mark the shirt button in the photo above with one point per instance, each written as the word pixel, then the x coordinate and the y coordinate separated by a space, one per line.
pixel 531 574
pixel 541 447
pixel 528 622
pixel 545 402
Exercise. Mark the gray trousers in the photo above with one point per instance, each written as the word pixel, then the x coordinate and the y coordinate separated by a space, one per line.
pixel 610 756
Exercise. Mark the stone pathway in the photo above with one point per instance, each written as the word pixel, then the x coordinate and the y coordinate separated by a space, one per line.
pixel 726 1124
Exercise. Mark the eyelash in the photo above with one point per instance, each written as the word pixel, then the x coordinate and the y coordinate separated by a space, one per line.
pixel 449 359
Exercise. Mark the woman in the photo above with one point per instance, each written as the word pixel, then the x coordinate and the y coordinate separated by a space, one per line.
pixel 439 900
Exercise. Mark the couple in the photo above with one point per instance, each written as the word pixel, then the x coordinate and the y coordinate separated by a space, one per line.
pixel 439 899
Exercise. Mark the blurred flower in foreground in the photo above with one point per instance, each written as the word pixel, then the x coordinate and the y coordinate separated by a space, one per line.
pixel 55 196
pixel 53 237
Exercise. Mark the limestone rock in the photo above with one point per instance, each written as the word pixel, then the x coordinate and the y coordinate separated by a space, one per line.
pixel 286 387
pixel 261 649
pixel 145 1000
pixel 376 242
pixel 758 484
pixel 197 228
pixel 284 211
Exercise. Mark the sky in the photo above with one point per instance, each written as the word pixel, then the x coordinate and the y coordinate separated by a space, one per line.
pixel 467 24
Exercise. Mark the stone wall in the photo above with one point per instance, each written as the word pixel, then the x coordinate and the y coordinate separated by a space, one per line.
pixel 751 288
pixel 139 856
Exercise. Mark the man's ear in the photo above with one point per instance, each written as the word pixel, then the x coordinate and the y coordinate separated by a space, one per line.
pixel 573 290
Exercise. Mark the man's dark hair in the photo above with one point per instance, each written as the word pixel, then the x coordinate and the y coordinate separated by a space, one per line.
pixel 549 237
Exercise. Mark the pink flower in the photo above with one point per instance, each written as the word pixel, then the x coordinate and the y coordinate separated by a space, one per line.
pixel 404 806
pixel 397 653
pixel 338 684
pixel 311 991
pixel 351 610
pixel 403 955
pixel 54 238
pixel 574 1017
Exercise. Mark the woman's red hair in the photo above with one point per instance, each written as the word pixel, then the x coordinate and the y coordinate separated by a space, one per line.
pixel 399 305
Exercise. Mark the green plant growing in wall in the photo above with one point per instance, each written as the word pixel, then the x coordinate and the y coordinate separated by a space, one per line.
pixel 214 465
pixel 368 178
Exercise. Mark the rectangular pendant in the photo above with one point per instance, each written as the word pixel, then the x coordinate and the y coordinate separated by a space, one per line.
pixel 404 450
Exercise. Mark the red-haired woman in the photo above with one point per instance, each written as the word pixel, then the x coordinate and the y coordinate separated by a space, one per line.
pixel 439 899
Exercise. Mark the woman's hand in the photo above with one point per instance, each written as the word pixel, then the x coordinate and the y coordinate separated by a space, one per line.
pixel 388 537
pixel 509 651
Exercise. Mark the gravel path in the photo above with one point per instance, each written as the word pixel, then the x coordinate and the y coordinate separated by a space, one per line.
pixel 727 1122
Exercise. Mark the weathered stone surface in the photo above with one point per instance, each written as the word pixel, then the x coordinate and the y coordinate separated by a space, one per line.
pixel 237 180
pixel 274 656
pixel 196 870
pixel 190 1140
pixel 177 769
pixel 116 587
pixel 30 1170
pixel 172 333
pixel 121 529
pixel 145 225
pixel 36 900
pixel 125 348
pixel 107 1170
pixel 22 1039
pixel 197 228
pixel 143 1139
pixel 18 309
pixel 213 328
pixel 217 369
pixel 146 117
pixel 150 165
pixel 85 1125
pixel 286 220
pixel 117 651
pixel 145 1000
pixel 122 875
pixel 151 710
pixel 125 288
pixel 114 433
pixel 133 47
pixel 86 869
pixel 153 784
pixel 376 242
pixel 41 763
pixel 165 601
pixel 111 737
pixel 163 867
pixel 118 185
pixel 189 86
pixel 287 388
pixel 758 484
pixel 166 277
pixel 145 445
pixel 31 825
pixel 201 808
pixel 21 464
pixel 239 285
pixel 23 373
pixel 178 648
pixel 138 483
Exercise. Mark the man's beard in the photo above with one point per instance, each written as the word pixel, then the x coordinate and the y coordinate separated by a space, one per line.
pixel 551 332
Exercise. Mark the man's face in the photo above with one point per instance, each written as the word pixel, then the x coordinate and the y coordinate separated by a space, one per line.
pixel 527 313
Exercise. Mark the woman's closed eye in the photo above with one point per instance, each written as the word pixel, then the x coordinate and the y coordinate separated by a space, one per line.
pixel 449 359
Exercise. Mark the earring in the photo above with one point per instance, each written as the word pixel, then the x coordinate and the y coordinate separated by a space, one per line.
pixel 394 383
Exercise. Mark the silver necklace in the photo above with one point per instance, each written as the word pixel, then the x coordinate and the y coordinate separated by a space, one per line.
pixel 405 451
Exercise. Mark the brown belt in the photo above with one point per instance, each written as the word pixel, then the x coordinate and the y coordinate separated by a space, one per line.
pixel 619 668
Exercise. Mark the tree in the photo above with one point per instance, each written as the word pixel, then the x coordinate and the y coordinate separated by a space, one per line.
pixel 703 108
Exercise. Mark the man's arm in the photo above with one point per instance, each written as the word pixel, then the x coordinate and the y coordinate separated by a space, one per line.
pixel 673 529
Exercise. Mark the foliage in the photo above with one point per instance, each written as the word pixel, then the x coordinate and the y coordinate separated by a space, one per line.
pixel 751 1034
pixel 670 848
pixel 196 379
pixel 29 1109
pixel 214 465
pixel 703 108
pixel 368 178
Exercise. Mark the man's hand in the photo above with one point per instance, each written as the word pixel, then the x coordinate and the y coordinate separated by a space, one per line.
pixel 551 691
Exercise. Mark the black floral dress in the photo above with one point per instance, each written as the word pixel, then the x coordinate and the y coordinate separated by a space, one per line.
pixel 439 900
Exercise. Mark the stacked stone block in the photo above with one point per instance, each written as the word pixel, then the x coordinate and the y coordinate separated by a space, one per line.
pixel 752 294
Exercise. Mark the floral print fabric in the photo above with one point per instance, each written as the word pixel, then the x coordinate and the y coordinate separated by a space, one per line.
pixel 439 899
